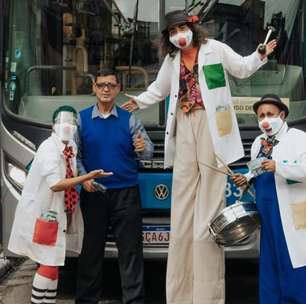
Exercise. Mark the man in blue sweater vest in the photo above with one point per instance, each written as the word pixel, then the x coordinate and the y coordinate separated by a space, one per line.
pixel 114 139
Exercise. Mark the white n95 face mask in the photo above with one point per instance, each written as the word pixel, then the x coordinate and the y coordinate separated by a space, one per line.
pixel 271 125
pixel 65 131
pixel 182 40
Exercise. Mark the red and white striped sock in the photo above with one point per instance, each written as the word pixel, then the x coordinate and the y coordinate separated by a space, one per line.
pixel 44 287
pixel 39 289
pixel 50 296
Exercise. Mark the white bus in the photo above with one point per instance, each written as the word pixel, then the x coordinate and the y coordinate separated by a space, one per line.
pixel 50 50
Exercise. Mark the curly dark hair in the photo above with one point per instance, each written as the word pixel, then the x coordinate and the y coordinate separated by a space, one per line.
pixel 199 37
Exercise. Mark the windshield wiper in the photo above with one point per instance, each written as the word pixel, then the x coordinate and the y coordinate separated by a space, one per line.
pixel 194 5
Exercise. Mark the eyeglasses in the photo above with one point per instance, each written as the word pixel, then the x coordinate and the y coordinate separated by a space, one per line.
pixel 108 85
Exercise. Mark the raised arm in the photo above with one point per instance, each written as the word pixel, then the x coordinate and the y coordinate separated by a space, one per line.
pixel 244 66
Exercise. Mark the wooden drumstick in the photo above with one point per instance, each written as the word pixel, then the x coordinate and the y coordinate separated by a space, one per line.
pixel 215 168
pixel 230 173
pixel 225 165
pixel 247 188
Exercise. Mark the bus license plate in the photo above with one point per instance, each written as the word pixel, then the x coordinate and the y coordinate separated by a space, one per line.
pixel 156 235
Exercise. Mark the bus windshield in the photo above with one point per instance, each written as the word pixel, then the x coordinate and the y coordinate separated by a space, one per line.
pixel 56 46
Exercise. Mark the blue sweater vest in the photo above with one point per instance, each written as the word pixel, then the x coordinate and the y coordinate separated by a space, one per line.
pixel 107 144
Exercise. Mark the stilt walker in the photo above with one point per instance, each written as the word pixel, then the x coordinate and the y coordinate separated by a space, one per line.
pixel 201 123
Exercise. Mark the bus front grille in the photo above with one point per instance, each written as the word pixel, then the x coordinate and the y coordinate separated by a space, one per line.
pixel 157 162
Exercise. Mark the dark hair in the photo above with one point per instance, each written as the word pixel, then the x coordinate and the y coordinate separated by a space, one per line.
pixel 107 71
pixel 199 37
pixel 65 108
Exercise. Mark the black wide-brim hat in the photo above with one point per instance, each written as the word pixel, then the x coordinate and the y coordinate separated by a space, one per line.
pixel 271 99
pixel 174 18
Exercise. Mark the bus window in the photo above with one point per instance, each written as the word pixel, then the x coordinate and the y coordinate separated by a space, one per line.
pixel 55 48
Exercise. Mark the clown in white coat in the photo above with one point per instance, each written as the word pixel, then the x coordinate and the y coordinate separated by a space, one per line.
pixel 281 202
pixel 43 195
pixel 201 123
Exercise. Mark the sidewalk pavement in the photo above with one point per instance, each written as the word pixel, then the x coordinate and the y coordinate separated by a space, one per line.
pixel 5 265
pixel 16 285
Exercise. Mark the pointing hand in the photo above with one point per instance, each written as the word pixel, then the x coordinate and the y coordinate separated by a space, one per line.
pixel 130 105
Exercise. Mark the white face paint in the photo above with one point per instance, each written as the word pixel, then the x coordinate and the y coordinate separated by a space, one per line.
pixel 271 125
pixel 65 131
pixel 182 40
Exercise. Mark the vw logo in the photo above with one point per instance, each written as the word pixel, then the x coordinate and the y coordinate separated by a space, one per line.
pixel 161 192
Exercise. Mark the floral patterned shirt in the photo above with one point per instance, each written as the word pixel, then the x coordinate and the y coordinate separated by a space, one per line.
pixel 189 93
pixel 267 145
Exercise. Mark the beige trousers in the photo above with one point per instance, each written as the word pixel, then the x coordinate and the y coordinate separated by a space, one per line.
pixel 195 269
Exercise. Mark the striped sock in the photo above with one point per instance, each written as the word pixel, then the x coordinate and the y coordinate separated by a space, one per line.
pixel 39 289
pixel 50 296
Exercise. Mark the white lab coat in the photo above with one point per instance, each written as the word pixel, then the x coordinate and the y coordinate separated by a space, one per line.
pixel 290 157
pixel 229 146
pixel 47 169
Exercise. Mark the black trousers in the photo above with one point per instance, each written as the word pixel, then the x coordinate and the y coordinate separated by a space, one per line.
pixel 119 209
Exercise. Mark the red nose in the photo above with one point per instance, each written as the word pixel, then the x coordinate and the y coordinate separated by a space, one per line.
pixel 265 125
pixel 182 42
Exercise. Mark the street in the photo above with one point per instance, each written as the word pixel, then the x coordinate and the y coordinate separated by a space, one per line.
pixel 241 283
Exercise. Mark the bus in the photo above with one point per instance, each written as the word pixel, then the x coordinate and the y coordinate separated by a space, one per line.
pixel 50 50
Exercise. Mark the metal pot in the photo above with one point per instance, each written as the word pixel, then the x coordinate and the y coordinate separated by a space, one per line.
pixel 234 224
